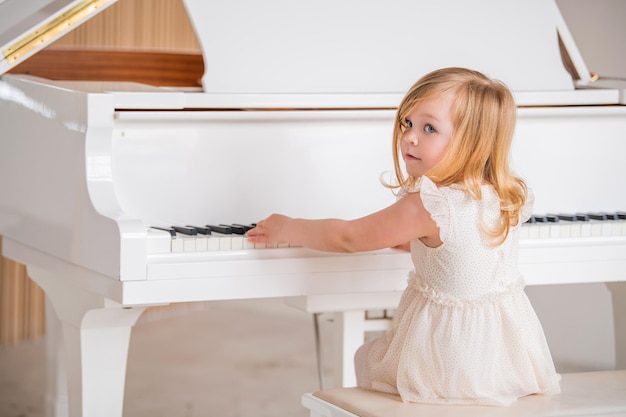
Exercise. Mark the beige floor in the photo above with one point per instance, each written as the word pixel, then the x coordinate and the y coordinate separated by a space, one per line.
pixel 222 359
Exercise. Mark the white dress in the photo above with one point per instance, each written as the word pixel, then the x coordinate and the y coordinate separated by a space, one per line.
pixel 464 331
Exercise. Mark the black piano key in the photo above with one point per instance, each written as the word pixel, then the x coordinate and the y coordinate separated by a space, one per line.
pixel 246 227
pixel 621 215
pixel 611 216
pixel 531 220
pixel 567 217
pixel 237 230
pixel 171 231
pixel 552 218
pixel 582 217
pixel 597 216
pixel 225 230
pixel 541 219
pixel 190 231
pixel 203 230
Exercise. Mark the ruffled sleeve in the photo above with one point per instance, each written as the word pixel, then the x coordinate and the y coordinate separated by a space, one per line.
pixel 436 203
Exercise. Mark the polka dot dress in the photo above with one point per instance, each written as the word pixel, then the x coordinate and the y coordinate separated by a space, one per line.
pixel 464 331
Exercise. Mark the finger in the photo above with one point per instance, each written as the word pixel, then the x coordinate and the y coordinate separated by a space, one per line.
pixel 253 232
pixel 257 239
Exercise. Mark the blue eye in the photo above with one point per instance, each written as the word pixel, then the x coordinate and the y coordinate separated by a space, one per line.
pixel 429 129
pixel 408 124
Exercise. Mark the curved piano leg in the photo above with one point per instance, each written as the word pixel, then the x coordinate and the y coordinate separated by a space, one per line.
pixel 94 334
pixel 618 294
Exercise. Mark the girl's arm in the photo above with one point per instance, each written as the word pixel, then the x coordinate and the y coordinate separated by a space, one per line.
pixel 404 246
pixel 393 226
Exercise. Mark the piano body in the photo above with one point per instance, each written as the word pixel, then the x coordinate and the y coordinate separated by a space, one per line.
pixel 295 116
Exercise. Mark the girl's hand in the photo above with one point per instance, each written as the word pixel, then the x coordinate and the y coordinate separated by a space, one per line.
pixel 270 230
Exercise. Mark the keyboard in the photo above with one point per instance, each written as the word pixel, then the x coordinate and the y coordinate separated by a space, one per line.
pixel 232 237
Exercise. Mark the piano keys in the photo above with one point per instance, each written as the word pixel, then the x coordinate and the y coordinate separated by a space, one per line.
pixel 574 225
pixel 176 239
pixel 199 238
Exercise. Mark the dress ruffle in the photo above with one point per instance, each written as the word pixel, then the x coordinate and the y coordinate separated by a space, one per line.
pixel 438 205
pixel 437 297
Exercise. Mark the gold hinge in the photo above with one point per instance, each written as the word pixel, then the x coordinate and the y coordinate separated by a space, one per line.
pixel 49 30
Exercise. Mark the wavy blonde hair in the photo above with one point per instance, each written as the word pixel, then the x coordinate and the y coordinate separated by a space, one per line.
pixel 483 115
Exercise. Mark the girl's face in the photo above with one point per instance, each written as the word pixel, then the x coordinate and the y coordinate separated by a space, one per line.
pixel 426 134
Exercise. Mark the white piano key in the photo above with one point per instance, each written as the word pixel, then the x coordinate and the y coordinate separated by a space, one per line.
pixel 247 244
pixel 202 244
pixel 236 242
pixel 555 230
pixel 622 223
pixel 607 228
pixel 213 243
pixel 226 244
pixel 523 232
pixel 585 229
pixel 596 227
pixel 225 241
pixel 160 241
pixel 544 230
pixel 189 243
pixel 565 229
pixel 554 225
pixel 576 229
pixel 177 245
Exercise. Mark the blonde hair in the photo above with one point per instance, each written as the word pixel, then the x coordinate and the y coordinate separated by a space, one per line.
pixel 483 115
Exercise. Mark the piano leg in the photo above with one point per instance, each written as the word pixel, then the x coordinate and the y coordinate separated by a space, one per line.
pixel 349 334
pixel 618 294
pixel 56 400
pixel 94 333
pixel 349 325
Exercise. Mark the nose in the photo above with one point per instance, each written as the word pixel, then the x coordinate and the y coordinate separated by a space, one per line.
pixel 410 136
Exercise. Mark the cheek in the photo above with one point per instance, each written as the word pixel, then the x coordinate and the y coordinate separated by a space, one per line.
pixel 441 151
pixel 436 155
pixel 403 146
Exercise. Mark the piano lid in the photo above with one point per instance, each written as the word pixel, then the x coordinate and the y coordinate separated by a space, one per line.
pixel 351 46
pixel 28 26
pixel 599 32
pixel 338 47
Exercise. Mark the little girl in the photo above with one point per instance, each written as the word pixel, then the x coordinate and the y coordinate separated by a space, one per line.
pixel 464 331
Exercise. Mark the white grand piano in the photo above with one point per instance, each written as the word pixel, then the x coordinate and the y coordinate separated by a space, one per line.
pixel 295 116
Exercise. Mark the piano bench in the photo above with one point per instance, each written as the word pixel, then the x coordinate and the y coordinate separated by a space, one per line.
pixel 582 394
